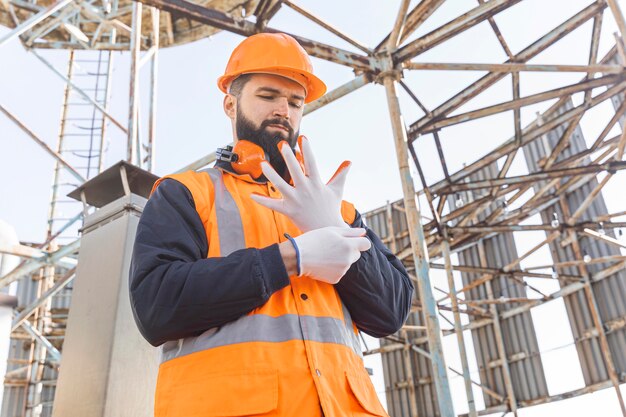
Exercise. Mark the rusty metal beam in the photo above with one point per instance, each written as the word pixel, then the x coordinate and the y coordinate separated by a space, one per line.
pixel 445 249
pixel 533 227
pixel 326 26
pixel 420 13
pixel 497 272
pixel 353 85
pixel 530 133
pixel 592 304
pixel 611 166
pixel 243 27
pixel 452 28
pixel 43 144
pixel 521 102
pixel 498 34
pixel 420 253
pixel 528 53
pixel 514 67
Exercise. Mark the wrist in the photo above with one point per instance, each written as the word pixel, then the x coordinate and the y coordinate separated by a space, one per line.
pixel 288 253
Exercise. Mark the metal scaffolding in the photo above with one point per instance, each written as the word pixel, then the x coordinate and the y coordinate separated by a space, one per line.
pixel 466 228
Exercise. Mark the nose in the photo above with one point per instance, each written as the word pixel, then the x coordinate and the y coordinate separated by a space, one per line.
pixel 282 108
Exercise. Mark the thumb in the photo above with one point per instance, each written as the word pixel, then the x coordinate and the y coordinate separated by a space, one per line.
pixel 338 180
pixel 362 243
pixel 351 231
pixel 271 203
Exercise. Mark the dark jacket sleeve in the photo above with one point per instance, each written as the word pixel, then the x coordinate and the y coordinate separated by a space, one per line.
pixel 376 289
pixel 175 290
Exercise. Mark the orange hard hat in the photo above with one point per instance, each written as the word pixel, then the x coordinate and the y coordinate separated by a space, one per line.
pixel 273 53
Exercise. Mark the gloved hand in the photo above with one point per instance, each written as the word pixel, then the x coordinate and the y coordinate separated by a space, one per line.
pixel 310 204
pixel 327 253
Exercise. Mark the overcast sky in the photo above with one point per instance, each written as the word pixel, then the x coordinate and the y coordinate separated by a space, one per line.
pixel 191 124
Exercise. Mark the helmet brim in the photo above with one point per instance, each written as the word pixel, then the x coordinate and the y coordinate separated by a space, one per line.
pixel 315 87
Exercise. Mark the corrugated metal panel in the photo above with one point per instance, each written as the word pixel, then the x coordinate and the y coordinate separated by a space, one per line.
pixel 610 293
pixel 389 222
pixel 518 334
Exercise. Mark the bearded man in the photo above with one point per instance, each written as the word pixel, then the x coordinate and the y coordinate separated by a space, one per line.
pixel 254 277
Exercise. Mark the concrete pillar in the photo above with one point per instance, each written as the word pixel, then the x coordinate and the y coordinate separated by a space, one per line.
pixel 107 368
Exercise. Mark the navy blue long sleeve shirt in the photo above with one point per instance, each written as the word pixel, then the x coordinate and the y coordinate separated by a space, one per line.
pixel 176 291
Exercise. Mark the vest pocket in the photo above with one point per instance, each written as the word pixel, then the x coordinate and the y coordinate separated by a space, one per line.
pixel 364 392
pixel 242 393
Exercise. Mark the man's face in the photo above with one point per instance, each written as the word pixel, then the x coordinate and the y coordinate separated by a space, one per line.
pixel 269 109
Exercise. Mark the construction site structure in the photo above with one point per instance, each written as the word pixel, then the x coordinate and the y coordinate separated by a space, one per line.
pixel 468 223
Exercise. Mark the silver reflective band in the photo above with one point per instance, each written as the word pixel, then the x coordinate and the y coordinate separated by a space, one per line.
pixel 229 225
pixel 356 344
pixel 264 328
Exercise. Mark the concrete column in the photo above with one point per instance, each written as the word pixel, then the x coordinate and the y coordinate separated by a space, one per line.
pixel 107 368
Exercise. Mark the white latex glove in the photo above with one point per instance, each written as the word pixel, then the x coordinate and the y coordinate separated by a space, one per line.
pixel 327 253
pixel 310 204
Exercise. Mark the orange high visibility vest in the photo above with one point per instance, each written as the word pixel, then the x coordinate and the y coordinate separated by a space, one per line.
pixel 297 355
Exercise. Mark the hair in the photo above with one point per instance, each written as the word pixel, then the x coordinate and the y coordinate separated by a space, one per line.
pixel 236 86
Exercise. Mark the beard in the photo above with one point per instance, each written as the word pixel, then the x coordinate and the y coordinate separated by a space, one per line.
pixel 267 140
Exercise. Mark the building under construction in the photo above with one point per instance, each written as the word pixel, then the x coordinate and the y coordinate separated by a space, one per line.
pixel 465 225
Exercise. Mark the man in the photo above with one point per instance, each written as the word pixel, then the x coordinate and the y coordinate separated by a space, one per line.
pixel 254 276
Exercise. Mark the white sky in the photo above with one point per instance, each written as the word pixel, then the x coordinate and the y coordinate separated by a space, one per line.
pixel 191 124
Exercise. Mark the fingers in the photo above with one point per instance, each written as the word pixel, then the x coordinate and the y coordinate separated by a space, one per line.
pixel 275 179
pixel 292 163
pixel 338 180
pixel 309 160
pixel 275 204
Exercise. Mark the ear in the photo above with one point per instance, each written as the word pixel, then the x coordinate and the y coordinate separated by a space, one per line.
pixel 230 106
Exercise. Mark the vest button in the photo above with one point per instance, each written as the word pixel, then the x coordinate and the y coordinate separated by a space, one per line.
pixel 304 296
pixel 272 188
pixel 317 371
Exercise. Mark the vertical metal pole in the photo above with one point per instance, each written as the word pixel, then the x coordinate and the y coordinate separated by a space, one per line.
pixel 138 142
pixel 57 166
pixel 153 86
pixel 420 253
pixel 517 112
pixel 103 125
pixel 133 111
pixel 410 379
pixel 34 406
pixel 445 250
pixel 112 7
pixel 493 309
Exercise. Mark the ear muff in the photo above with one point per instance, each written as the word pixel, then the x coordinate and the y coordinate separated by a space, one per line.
pixel 248 158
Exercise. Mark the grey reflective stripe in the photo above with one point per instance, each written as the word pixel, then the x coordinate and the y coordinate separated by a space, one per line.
pixel 264 328
pixel 356 344
pixel 229 225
